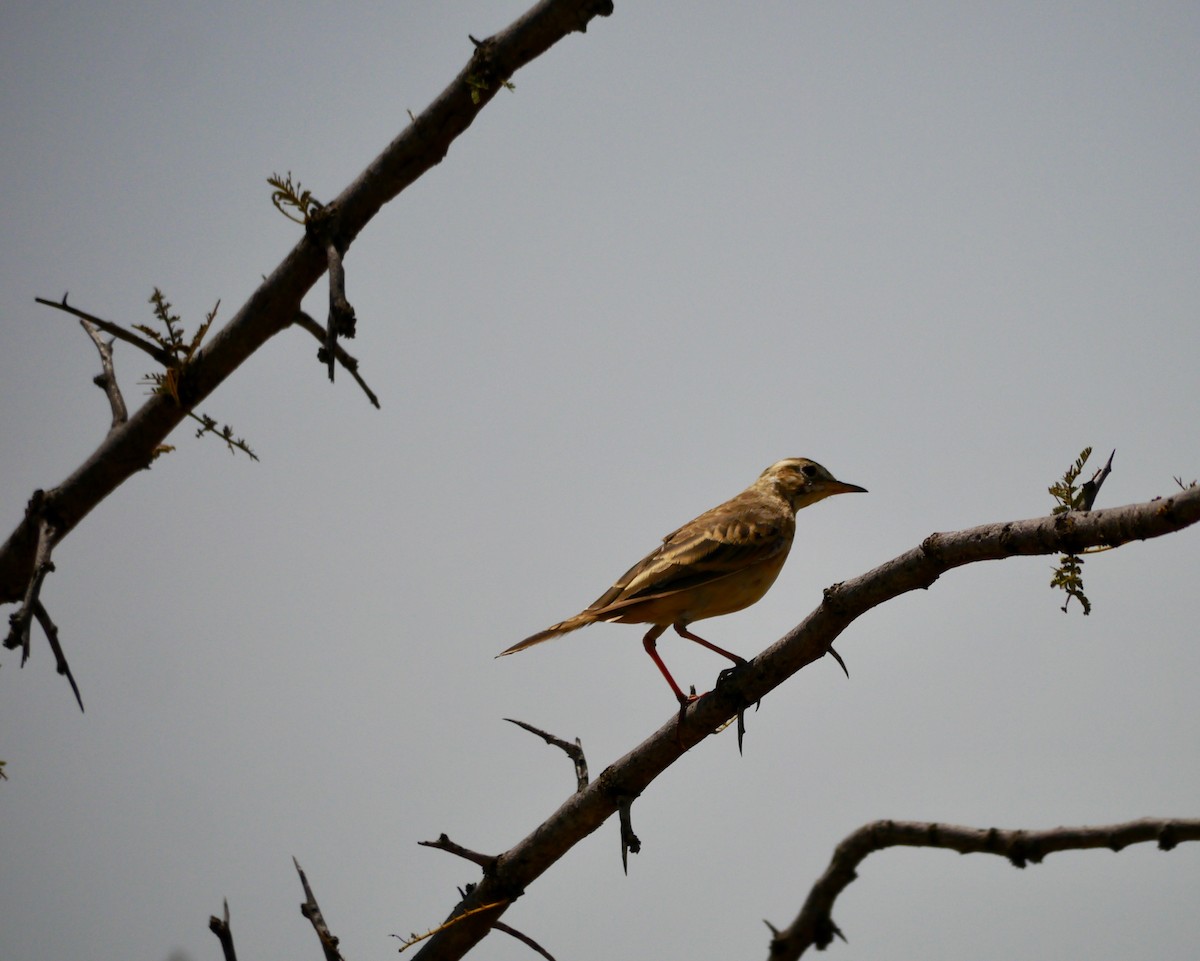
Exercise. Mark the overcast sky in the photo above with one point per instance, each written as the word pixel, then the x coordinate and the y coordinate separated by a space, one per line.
pixel 938 249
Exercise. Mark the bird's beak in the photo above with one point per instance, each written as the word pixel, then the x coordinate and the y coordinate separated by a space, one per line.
pixel 841 487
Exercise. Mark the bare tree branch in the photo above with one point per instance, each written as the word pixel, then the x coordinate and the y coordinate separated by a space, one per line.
pixel 312 911
pixel 919 568
pixel 814 927
pixel 220 927
pixel 274 305
pixel 60 659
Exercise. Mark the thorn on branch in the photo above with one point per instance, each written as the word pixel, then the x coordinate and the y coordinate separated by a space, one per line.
pixel 629 840
pixel 1087 494
pixel 50 629
pixel 523 938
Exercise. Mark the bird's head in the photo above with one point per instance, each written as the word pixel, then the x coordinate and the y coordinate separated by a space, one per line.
pixel 801 482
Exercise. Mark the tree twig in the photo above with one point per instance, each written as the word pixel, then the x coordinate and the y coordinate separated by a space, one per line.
pixel 312 911
pixel 220 927
pixel 573 751
pixel 106 380
pixel 443 843
pixel 814 927
pixel 51 631
pixel 113 330
pixel 306 322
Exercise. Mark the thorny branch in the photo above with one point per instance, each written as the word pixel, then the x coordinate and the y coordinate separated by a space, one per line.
pixel 814 926
pixel 274 306
pixel 585 811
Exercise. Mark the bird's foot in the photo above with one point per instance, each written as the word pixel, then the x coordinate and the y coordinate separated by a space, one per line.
pixel 728 675
pixel 730 672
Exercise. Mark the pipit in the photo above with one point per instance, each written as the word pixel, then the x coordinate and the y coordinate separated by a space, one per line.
pixel 721 562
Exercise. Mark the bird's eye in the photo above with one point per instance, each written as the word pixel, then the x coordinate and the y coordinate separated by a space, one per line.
pixel 809 470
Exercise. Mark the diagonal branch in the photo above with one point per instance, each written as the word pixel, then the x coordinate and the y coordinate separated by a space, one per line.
pixel 60 659
pixel 312 911
pixel 114 330
pixel 273 306
pixel 814 927
pixel 443 843
pixel 586 810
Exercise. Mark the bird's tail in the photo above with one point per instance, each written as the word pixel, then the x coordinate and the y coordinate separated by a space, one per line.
pixel 562 627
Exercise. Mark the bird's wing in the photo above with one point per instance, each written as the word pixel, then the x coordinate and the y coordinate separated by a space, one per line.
pixel 723 541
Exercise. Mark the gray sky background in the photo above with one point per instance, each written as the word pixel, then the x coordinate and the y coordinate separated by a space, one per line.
pixel 937 249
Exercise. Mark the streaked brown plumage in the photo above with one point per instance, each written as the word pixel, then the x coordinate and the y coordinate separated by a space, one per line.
pixel 721 562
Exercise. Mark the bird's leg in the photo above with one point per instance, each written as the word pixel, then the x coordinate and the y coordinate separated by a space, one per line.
pixel 682 631
pixel 650 643
pixel 738 662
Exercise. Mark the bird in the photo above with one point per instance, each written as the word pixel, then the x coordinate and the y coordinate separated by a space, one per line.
pixel 720 562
